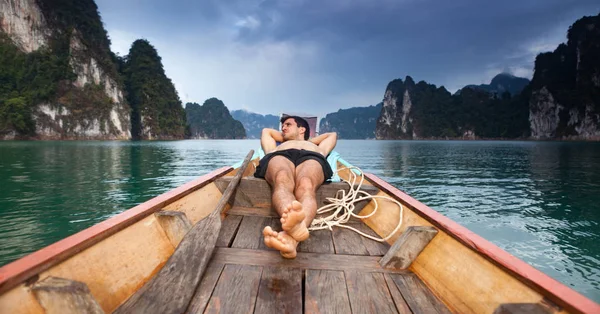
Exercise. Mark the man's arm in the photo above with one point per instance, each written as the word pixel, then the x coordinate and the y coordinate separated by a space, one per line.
pixel 269 139
pixel 326 142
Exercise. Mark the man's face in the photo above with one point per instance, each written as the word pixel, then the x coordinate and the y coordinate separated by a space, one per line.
pixel 290 130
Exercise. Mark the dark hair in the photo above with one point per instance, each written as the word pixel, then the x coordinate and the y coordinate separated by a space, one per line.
pixel 300 122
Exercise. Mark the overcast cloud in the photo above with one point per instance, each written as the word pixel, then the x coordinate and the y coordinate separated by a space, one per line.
pixel 319 56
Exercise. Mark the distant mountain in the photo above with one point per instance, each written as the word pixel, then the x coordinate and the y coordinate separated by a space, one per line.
pixel 254 122
pixel 352 123
pixel 503 82
pixel 212 120
pixel 564 94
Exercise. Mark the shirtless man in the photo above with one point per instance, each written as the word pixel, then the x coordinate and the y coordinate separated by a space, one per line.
pixel 295 170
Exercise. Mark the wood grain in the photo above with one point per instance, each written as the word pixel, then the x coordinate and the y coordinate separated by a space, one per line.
pixel 369 293
pixel 236 290
pixel 399 301
pixel 326 292
pixel 418 297
pixel 205 288
pixel 302 260
pixel 64 296
pixel 174 223
pixel 349 242
pixel 249 235
pixel 229 229
pixel 320 241
pixel 280 291
pixel 408 247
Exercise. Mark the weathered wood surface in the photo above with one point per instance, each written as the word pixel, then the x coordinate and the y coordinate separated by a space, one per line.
pixel 175 224
pixel 523 308
pixel 254 192
pixel 319 241
pixel 418 297
pixel 250 236
pixel 64 296
pixel 325 292
pixel 348 242
pixel 184 269
pixel 302 260
pixel 280 291
pixel 205 288
pixel 399 301
pixel 236 290
pixel 229 229
pixel 374 248
pixel 406 249
pixel 253 211
pixel 368 293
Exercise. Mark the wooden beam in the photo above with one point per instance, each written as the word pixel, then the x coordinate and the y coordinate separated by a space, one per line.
pixel 406 249
pixel 302 260
pixel 64 296
pixel 254 192
pixel 174 223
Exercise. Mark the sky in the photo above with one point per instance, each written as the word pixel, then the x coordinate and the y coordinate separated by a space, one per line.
pixel 320 56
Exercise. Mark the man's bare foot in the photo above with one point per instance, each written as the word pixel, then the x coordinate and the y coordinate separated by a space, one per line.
pixel 281 241
pixel 292 221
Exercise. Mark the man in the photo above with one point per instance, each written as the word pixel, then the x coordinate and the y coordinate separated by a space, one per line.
pixel 295 170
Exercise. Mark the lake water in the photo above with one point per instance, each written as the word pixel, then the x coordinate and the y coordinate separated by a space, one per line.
pixel 540 201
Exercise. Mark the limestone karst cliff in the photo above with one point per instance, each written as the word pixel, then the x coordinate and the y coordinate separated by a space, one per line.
pixel 60 78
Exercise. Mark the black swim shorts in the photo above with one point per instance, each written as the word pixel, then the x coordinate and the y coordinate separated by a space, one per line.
pixel 297 156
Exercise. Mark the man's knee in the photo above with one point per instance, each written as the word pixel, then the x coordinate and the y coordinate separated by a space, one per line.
pixel 283 176
pixel 305 185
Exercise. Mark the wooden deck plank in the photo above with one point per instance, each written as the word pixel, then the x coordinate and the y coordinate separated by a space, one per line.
pixel 249 235
pixel 320 241
pixel 280 291
pixel 253 211
pixel 348 242
pixel 236 290
pixel 205 288
pixel 399 301
pixel 302 260
pixel 374 248
pixel 418 297
pixel 369 293
pixel 326 292
pixel 228 230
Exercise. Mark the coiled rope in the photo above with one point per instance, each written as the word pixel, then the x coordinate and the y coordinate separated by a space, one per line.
pixel 342 207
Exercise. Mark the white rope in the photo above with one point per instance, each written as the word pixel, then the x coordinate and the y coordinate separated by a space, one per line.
pixel 342 207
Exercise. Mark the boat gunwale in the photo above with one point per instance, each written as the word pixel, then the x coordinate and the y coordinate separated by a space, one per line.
pixel 13 274
pixel 530 276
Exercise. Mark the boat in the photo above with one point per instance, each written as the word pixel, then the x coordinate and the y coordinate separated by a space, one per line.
pixel 430 265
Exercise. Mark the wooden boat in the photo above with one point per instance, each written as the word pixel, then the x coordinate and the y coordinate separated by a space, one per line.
pixel 432 265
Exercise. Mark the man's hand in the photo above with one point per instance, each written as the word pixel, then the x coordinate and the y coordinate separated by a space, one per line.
pixel 326 142
pixel 269 139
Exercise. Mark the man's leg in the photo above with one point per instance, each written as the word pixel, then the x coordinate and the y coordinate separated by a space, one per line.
pixel 308 177
pixel 280 175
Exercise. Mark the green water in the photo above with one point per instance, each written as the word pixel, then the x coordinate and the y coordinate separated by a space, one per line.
pixel 537 200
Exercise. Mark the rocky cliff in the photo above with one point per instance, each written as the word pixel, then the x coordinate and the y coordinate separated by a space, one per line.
pixel 424 111
pixel 156 111
pixel 254 123
pixel 564 94
pixel 212 120
pixel 352 123
pixel 59 76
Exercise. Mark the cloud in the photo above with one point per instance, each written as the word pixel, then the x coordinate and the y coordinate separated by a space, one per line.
pixel 319 56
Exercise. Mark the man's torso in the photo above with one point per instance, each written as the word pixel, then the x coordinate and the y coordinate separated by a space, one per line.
pixel 306 145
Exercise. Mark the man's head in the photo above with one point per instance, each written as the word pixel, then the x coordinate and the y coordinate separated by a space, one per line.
pixel 294 128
